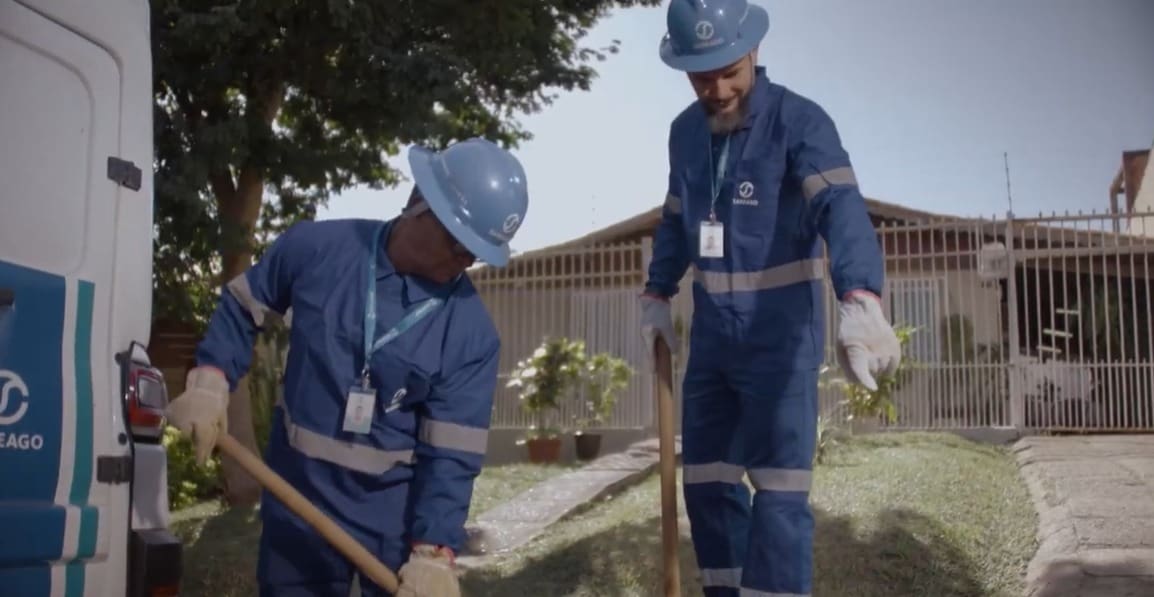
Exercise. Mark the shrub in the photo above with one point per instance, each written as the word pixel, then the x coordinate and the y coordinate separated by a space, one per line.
pixel 188 482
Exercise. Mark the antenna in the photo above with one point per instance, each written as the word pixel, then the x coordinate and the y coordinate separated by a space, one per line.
pixel 1009 195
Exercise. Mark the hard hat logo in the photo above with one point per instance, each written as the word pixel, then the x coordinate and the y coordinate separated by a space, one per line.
pixel 704 30
pixel 511 224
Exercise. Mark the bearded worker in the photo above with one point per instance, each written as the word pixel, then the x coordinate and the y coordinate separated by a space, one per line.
pixel 757 179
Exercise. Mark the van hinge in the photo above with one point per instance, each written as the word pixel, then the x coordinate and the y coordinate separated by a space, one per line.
pixel 124 173
pixel 113 469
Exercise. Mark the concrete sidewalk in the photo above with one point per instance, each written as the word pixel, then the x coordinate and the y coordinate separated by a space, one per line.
pixel 1095 501
pixel 532 512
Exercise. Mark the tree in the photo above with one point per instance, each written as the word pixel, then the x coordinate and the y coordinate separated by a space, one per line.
pixel 264 108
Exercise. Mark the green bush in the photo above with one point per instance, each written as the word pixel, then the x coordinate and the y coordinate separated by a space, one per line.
pixel 188 482
pixel 862 403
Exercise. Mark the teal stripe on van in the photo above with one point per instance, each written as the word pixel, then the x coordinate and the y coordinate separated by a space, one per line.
pixel 82 463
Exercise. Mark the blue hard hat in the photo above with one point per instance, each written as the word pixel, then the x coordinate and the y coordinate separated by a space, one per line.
pixel 478 191
pixel 705 35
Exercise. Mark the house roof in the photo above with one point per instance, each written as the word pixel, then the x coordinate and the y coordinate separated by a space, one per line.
pixel 644 224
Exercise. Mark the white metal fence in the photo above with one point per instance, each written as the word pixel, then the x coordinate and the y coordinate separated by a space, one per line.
pixel 1034 323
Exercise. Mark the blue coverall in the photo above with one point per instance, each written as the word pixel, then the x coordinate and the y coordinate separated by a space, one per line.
pixel 410 478
pixel 757 336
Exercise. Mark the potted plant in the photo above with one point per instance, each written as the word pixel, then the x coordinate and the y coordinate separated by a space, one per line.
pixel 542 381
pixel 604 377
pixel 866 407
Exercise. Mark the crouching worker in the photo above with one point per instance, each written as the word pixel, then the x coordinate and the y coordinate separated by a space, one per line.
pixel 389 380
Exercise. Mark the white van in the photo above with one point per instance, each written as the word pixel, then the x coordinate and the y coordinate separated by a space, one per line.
pixel 83 493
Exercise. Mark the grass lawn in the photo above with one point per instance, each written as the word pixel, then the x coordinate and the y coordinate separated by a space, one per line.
pixel 221 545
pixel 897 515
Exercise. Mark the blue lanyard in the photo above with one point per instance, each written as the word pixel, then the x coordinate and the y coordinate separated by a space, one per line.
pixel 722 163
pixel 412 316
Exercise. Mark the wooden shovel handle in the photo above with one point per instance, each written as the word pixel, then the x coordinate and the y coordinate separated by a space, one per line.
pixel 366 562
pixel 663 395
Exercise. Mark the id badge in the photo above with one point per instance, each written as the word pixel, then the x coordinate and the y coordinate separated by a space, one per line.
pixel 712 240
pixel 359 409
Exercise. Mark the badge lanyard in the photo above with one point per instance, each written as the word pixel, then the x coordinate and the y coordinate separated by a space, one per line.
pixel 412 316
pixel 722 163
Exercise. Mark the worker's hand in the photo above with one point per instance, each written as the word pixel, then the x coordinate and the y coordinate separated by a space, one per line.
pixel 866 343
pixel 201 412
pixel 428 573
pixel 657 322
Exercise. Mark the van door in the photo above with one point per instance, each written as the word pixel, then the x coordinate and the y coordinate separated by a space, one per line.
pixel 59 123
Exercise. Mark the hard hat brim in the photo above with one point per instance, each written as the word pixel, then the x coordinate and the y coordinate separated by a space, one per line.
pixel 753 29
pixel 422 163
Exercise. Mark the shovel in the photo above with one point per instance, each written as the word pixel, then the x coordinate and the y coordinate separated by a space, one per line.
pixel 663 395
pixel 366 562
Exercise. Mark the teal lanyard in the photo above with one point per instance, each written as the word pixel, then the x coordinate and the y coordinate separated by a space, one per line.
pixel 722 163
pixel 412 316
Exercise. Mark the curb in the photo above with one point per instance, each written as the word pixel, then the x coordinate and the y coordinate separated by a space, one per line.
pixel 1055 570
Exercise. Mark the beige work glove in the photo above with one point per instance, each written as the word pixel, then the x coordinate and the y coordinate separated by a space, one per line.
pixel 428 573
pixel 201 412
pixel 866 343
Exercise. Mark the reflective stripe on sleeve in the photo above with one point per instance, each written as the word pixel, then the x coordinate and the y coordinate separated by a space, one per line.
pixel 240 289
pixel 815 183
pixel 441 434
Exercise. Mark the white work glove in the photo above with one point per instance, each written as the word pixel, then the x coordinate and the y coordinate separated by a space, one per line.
pixel 201 412
pixel 866 343
pixel 657 322
pixel 428 573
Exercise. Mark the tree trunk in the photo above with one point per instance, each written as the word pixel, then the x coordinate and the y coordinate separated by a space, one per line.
pixel 238 206
pixel 239 209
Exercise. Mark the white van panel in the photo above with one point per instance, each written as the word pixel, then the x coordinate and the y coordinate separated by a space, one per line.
pixel 75 250
pixel 52 89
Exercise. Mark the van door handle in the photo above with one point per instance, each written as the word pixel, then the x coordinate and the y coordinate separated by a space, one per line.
pixel 7 297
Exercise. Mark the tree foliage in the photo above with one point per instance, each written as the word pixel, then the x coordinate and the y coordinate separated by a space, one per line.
pixel 278 104
pixel 265 108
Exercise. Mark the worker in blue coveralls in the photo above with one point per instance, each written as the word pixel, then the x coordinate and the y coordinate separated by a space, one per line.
pixel 757 178
pixel 390 377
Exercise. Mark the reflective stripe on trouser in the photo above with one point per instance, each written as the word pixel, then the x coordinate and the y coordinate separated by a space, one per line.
pixel 737 421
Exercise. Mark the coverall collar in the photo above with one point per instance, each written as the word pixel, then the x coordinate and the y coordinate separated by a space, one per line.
pixel 415 289
pixel 757 97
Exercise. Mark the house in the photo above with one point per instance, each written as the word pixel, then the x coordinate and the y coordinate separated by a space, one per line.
pixel 947 276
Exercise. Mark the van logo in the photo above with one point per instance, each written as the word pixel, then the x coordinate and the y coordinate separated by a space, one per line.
pixel 10 382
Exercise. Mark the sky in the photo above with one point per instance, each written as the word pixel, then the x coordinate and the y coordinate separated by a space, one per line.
pixel 927 96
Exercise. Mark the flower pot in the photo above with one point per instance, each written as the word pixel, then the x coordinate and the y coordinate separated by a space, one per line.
pixel 588 445
pixel 544 450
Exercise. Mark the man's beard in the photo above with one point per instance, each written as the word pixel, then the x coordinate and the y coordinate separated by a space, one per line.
pixel 727 122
